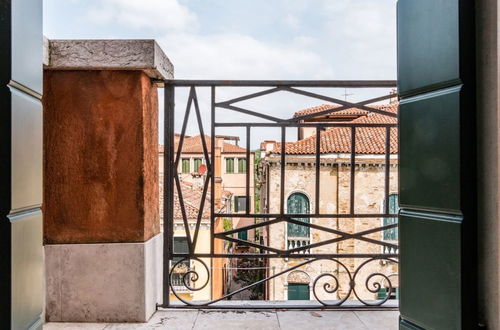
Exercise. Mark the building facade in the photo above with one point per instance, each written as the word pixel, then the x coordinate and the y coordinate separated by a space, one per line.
pixel 334 198
pixel 230 170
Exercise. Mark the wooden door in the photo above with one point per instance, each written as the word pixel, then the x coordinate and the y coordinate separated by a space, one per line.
pixel 437 164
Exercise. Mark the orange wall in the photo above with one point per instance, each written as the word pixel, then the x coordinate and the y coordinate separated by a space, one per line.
pixel 218 278
pixel 100 157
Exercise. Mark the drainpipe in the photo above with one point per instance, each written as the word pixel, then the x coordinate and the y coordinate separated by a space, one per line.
pixel 274 283
pixel 336 165
pixel 217 198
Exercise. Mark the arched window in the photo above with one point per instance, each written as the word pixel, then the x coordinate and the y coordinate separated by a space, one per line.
pixel 391 234
pixel 298 203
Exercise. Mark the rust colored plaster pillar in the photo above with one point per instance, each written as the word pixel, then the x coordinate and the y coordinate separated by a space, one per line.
pixel 101 137
pixel 102 224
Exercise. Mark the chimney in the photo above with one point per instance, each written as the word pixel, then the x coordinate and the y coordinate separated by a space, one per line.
pixel 394 98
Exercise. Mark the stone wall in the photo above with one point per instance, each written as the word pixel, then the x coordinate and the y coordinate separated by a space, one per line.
pixel 334 198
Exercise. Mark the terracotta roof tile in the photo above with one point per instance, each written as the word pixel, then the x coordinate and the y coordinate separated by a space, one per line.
pixel 369 140
pixel 194 145
pixel 323 107
pixel 191 195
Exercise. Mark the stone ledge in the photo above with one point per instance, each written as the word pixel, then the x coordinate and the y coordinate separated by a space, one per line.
pixel 145 55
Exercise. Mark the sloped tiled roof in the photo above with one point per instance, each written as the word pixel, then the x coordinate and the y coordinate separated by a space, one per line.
pixel 194 145
pixel 191 196
pixel 369 140
pixel 323 107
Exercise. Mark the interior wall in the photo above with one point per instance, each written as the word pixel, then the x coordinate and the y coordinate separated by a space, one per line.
pixel 488 162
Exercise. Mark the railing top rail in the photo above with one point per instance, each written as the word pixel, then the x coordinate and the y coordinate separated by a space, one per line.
pixel 285 83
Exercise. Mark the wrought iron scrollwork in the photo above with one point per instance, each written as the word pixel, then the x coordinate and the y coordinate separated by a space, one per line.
pixel 374 286
pixel 189 278
pixel 333 286
pixel 332 289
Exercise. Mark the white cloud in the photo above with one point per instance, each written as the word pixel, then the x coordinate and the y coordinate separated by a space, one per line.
pixel 237 56
pixel 364 35
pixel 162 15
pixel 292 21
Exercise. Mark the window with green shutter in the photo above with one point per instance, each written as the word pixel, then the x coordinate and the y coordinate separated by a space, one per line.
pixel 197 164
pixel 243 235
pixel 383 292
pixel 229 165
pixel 298 203
pixel 186 165
pixel 242 165
pixel 180 245
pixel 240 203
pixel 298 291
pixel 392 233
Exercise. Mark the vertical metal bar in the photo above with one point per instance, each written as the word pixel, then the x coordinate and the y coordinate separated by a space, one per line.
pixel 353 167
pixel 248 171
pixel 212 172
pixel 283 159
pixel 387 167
pixel 168 187
pixel 184 127
pixel 318 154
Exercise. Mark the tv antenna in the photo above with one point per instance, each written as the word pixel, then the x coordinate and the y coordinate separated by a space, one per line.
pixel 345 95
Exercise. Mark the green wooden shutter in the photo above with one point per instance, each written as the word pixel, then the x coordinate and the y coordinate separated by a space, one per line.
pixel 391 234
pixel 437 164
pixel 229 165
pixel 298 204
pixel 197 164
pixel 21 131
pixel 186 164
pixel 180 245
pixel 298 291
pixel 242 165
pixel 243 235
pixel 240 203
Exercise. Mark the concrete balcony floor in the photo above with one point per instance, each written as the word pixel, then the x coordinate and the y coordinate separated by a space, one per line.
pixel 241 320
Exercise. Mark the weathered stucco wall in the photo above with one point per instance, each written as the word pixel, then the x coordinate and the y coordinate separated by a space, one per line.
pixel 334 197
pixel 100 157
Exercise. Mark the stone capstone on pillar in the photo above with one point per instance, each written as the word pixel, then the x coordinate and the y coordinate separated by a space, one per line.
pixel 138 55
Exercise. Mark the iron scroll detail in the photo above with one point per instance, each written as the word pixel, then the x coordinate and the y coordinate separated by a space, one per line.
pixel 192 276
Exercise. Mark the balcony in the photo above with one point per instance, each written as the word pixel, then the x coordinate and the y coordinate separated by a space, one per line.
pixel 296 242
pixel 240 319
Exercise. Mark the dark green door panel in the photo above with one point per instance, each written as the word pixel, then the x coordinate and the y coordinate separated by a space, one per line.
pixel 437 142
pixel 430 270
pixel 21 249
pixel 430 151
pixel 27 268
pixel 403 325
pixel 298 291
pixel 428 44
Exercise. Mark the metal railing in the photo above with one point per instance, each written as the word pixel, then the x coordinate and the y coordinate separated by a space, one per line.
pixel 301 249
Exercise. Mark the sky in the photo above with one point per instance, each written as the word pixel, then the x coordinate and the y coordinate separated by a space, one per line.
pixel 236 39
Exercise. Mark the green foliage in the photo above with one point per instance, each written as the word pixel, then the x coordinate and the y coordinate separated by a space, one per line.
pixel 256 181
pixel 227 224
